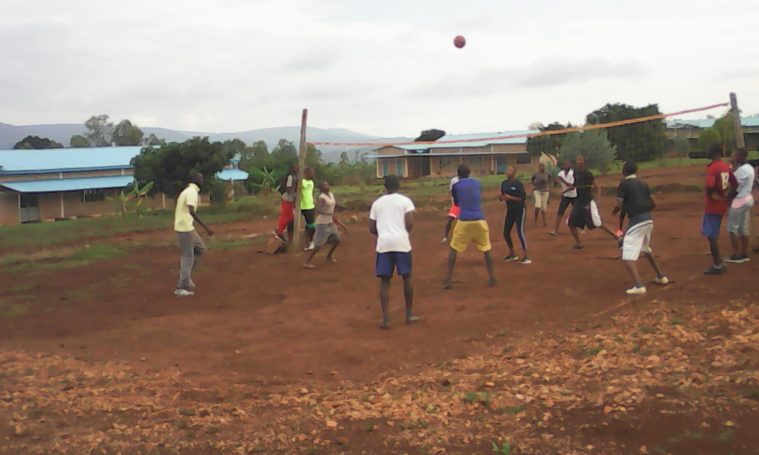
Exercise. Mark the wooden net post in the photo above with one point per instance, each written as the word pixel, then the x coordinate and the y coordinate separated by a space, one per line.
pixel 298 234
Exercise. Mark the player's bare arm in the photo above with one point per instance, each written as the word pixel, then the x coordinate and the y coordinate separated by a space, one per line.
pixel 195 217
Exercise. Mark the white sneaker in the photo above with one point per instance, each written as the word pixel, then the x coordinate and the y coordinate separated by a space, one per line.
pixel 444 240
pixel 662 280
pixel 635 290
pixel 310 247
pixel 183 293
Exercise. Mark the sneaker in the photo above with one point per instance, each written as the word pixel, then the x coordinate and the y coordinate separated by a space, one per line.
pixel 412 319
pixel 661 280
pixel 735 259
pixel 444 240
pixel 635 290
pixel 577 246
pixel 526 261
pixel 714 270
pixel 183 293
pixel 310 247
pixel 553 233
pixel 511 258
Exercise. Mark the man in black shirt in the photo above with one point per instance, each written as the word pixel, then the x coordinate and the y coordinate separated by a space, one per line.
pixel 585 211
pixel 634 197
pixel 512 191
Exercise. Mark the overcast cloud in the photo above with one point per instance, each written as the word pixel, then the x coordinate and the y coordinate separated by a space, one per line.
pixel 385 68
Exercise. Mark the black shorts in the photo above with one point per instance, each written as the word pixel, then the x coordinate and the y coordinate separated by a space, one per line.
pixel 565 203
pixel 310 216
pixel 585 216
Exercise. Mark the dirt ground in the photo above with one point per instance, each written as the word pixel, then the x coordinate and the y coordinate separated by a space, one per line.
pixel 260 319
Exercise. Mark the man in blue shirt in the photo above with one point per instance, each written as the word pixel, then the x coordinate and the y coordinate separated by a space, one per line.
pixel 471 227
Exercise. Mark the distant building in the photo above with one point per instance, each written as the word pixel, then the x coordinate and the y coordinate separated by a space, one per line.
pixel 483 155
pixel 39 185
pixel 691 129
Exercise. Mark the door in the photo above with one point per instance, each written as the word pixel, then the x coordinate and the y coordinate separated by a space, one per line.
pixel 30 208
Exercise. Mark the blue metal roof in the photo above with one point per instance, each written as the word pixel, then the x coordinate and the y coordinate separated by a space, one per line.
pixel 56 185
pixel 708 122
pixel 70 159
pixel 470 140
pixel 232 174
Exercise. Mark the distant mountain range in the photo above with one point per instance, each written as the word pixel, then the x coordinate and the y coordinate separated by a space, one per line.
pixel 10 134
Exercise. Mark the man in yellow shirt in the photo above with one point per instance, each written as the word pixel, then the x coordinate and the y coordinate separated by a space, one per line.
pixel 307 206
pixel 190 243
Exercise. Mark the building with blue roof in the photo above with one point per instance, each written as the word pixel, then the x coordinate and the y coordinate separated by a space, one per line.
pixel 485 153
pixel 39 185
pixel 690 129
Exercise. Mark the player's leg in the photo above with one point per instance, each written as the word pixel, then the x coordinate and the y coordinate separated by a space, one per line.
pixel 186 262
pixel 448 282
pixel 384 296
pixel 481 239
pixel 544 207
pixel 520 222
pixel 711 229
pixel 448 225
pixel 577 220
pixel 489 266
pixel 404 266
pixel 320 238
pixel 563 204
pixel 508 225
pixel 632 245
pixel 334 241
pixel 198 249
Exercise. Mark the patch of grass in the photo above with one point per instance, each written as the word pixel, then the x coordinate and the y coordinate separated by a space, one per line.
pixel 752 393
pixel 694 436
pixel 514 410
pixel 726 436
pixel 482 398
pixel 10 310
pixel 503 448
pixel 647 329
pixel 677 321
pixel 46 261
pixel 502 333
pixel 591 351
pixel 23 288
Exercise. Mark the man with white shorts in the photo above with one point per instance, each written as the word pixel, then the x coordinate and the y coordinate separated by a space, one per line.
pixel 739 214
pixel 585 211
pixel 634 197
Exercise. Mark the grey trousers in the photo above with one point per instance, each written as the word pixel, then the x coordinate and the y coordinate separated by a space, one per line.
pixel 192 248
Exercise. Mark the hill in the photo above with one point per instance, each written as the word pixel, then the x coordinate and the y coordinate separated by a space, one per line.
pixel 10 134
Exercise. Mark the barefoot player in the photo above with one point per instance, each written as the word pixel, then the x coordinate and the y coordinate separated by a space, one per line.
pixel 326 226
pixel 391 220
pixel 585 212
pixel 471 227
pixel 634 198
pixel 513 193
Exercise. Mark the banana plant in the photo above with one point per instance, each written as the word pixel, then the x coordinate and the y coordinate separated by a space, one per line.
pixel 132 200
pixel 265 181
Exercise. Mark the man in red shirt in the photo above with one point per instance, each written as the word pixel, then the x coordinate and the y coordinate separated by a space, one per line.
pixel 719 183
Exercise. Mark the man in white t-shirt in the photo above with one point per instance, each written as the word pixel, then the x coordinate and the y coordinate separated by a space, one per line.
pixel 391 220
pixel 739 214
pixel 566 180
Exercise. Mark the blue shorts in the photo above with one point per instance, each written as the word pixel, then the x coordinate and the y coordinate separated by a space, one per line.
pixel 387 262
pixel 711 225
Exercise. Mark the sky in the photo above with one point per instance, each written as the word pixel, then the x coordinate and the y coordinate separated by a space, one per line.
pixel 387 68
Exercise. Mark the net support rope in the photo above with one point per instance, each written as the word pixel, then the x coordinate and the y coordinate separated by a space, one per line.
pixel 576 129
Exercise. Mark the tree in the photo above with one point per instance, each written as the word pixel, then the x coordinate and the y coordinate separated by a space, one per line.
pixel 344 160
pixel 99 130
pixel 594 145
pixel 430 135
pixel 726 127
pixel 126 133
pixel 639 141
pixel 79 141
pixel 708 137
pixel 170 165
pixel 255 157
pixel 37 143
pixel 236 146
pixel 152 139
pixel 549 143
pixel 284 154
pixel 680 147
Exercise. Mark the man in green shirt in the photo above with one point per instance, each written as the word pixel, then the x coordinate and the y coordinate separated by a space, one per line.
pixel 307 206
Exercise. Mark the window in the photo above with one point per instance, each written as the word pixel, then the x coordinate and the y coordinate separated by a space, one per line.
pixel 523 158
pixel 399 168
pixel 385 167
pixel 92 196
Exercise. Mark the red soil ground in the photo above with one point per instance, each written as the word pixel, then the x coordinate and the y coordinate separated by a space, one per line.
pixel 264 317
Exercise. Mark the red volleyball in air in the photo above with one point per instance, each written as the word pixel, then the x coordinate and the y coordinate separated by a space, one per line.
pixel 459 41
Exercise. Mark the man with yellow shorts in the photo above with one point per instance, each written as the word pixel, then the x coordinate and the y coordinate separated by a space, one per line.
pixel 471 227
